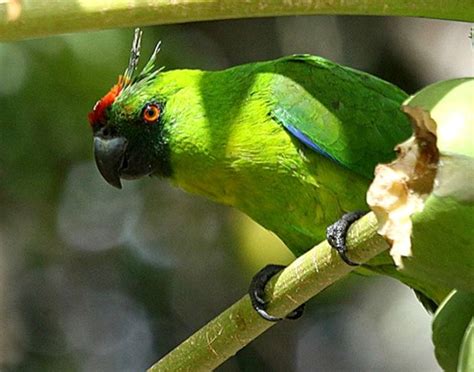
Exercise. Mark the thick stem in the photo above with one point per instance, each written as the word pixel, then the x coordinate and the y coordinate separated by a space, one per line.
pixel 26 19
pixel 308 275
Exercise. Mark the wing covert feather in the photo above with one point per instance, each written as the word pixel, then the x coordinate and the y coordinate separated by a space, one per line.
pixel 352 117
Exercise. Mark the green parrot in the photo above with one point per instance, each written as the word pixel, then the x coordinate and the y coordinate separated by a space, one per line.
pixel 292 142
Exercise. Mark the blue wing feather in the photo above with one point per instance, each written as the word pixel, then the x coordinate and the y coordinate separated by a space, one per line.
pixel 303 138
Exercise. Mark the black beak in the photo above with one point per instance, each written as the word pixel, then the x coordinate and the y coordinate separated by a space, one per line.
pixel 109 156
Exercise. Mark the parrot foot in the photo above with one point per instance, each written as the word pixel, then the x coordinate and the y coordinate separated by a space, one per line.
pixel 257 294
pixel 336 234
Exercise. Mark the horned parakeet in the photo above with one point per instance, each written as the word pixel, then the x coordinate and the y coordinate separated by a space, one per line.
pixel 292 142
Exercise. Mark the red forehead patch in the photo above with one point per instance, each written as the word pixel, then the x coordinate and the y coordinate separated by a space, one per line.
pixel 97 115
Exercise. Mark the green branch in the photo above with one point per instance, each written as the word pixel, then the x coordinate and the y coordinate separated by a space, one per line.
pixel 304 278
pixel 26 19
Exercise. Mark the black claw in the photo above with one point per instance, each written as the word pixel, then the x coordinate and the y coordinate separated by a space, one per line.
pixel 336 234
pixel 257 294
pixel 296 313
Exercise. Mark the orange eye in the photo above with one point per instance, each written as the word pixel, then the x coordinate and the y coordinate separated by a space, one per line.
pixel 151 113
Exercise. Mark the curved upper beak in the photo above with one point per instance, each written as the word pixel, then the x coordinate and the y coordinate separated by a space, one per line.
pixel 109 156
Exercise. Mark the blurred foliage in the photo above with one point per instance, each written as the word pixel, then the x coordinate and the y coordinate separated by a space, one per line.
pixel 450 332
pixel 95 279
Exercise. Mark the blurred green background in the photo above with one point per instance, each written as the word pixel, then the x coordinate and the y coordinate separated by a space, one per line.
pixel 96 279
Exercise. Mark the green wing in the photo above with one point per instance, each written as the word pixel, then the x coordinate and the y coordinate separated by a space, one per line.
pixel 347 115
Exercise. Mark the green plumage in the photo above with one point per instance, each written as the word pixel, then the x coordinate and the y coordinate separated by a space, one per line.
pixel 227 139
pixel 226 135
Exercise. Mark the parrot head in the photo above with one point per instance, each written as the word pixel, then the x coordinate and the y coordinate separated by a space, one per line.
pixel 128 122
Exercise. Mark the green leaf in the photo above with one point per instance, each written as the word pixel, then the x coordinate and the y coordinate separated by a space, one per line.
pixel 450 325
pixel 466 358
pixel 442 237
